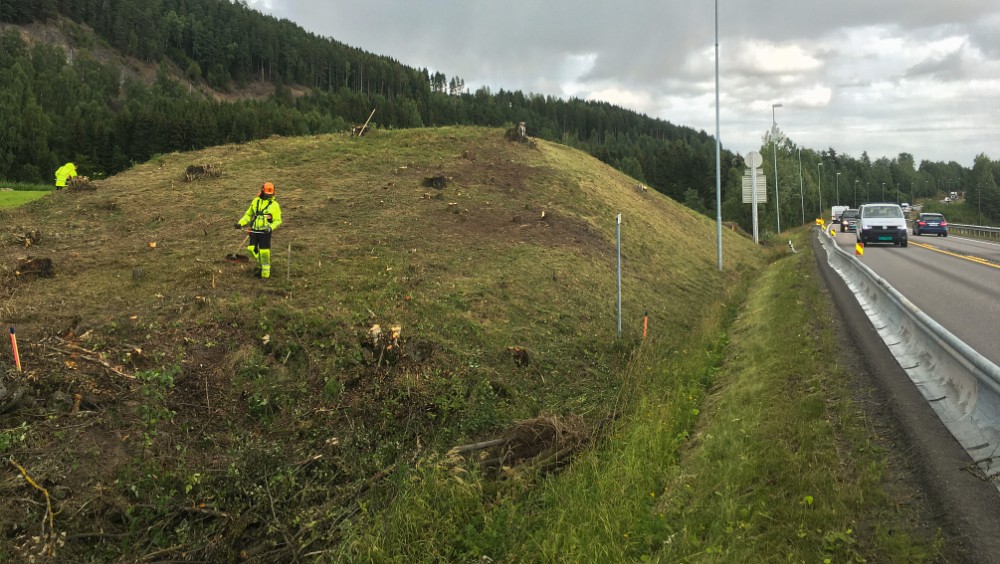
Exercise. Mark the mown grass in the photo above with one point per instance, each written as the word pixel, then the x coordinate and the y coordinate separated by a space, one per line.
pixel 15 198
pixel 277 413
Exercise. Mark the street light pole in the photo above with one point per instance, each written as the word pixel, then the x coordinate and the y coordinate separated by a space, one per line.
pixel 718 146
pixel 819 176
pixel 856 192
pixel 802 198
pixel 838 188
pixel 774 148
pixel 883 191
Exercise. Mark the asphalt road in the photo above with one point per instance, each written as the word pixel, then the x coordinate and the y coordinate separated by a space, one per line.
pixel 966 508
pixel 954 280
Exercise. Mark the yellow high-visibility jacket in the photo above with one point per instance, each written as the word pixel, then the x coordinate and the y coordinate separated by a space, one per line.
pixel 262 214
pixel 64 172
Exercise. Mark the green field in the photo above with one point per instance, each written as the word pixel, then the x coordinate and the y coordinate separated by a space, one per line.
pixel 14 198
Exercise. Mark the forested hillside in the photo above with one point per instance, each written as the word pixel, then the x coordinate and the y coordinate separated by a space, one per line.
pixel 113 83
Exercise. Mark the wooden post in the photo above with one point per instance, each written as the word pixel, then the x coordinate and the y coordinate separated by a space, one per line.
pixel 362 132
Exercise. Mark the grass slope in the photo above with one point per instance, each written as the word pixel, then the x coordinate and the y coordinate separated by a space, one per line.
pixel 218 415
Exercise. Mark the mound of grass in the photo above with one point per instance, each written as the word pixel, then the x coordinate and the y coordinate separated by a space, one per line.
pixel 179 405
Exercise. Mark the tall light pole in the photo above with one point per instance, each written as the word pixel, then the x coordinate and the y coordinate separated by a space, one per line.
pixel 718 148
pixel 838 188
pixel 856 192
pixel 883 191
pixel 802 198
pixel 819 176
pixel 774 148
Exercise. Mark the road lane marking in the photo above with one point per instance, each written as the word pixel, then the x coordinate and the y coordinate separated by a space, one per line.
pixel 969 258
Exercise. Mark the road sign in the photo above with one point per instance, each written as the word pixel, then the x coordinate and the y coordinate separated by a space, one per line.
pixel 761 188
pixel 753 159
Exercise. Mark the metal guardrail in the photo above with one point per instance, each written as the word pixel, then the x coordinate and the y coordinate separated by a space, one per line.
pixel 961 385
pixel 980 231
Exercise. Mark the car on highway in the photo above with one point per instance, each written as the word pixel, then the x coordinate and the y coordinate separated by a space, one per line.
pixel 849 221
pixel 835 212
pixel 930 223
pixel 881 223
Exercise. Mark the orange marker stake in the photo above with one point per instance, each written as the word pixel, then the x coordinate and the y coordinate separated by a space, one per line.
pixel 645 324
pixel 13 345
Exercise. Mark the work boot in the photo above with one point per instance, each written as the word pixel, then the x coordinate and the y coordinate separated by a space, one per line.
pixel 257 271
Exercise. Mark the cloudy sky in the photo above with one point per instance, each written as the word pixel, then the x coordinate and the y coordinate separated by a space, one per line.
pixel 885 76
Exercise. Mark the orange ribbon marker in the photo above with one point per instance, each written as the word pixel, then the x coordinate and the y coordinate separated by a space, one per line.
pixel 645 324
pixel 13 345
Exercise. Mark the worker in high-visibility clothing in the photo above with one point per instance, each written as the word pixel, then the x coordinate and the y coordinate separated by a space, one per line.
pixel 64 173
pixel 262 217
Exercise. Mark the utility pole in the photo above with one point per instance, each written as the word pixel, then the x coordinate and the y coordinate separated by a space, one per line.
pixel 819 176
pixel 774 148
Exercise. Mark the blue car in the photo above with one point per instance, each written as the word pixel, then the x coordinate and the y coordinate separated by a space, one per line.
pixel 930 223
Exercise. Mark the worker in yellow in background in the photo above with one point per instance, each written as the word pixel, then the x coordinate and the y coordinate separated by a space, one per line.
pixel 262 217
pixel 64 173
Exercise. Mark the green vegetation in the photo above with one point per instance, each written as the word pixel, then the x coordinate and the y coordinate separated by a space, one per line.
pixel 14 198
pixel 223 417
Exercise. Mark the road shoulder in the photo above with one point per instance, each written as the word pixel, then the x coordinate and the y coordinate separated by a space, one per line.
pixel 920 449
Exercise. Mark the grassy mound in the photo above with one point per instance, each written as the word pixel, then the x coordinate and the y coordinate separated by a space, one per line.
pixel 174 406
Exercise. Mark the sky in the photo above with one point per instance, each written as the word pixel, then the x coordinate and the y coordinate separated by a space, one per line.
pixel 885 76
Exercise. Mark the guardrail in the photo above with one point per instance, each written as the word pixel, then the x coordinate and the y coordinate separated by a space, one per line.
pixel 961 385
pixel 981 231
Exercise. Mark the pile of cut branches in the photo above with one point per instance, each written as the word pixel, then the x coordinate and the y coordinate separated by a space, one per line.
pixel 543 444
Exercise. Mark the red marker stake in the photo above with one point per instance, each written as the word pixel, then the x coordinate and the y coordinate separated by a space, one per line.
pixel 13 345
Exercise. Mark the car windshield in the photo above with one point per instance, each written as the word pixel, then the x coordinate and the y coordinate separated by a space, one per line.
pixel 883 211
pixel 850 213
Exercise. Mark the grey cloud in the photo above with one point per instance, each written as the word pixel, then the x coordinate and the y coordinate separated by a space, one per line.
pixel 947 68
pixel 661 49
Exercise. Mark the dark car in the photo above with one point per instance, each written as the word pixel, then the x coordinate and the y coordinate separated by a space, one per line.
pixel 848 221
pixel 930 223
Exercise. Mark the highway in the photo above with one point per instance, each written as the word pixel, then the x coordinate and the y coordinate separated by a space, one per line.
pixel 954 280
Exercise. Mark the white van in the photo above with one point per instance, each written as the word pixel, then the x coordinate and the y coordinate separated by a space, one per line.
pixel 882 223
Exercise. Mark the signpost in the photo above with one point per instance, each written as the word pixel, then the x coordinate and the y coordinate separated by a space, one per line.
pixel 757 191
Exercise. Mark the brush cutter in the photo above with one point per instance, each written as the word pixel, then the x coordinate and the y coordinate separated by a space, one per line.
pixel 235 256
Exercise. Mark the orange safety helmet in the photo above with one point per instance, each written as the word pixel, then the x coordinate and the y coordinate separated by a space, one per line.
pixel 267 188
